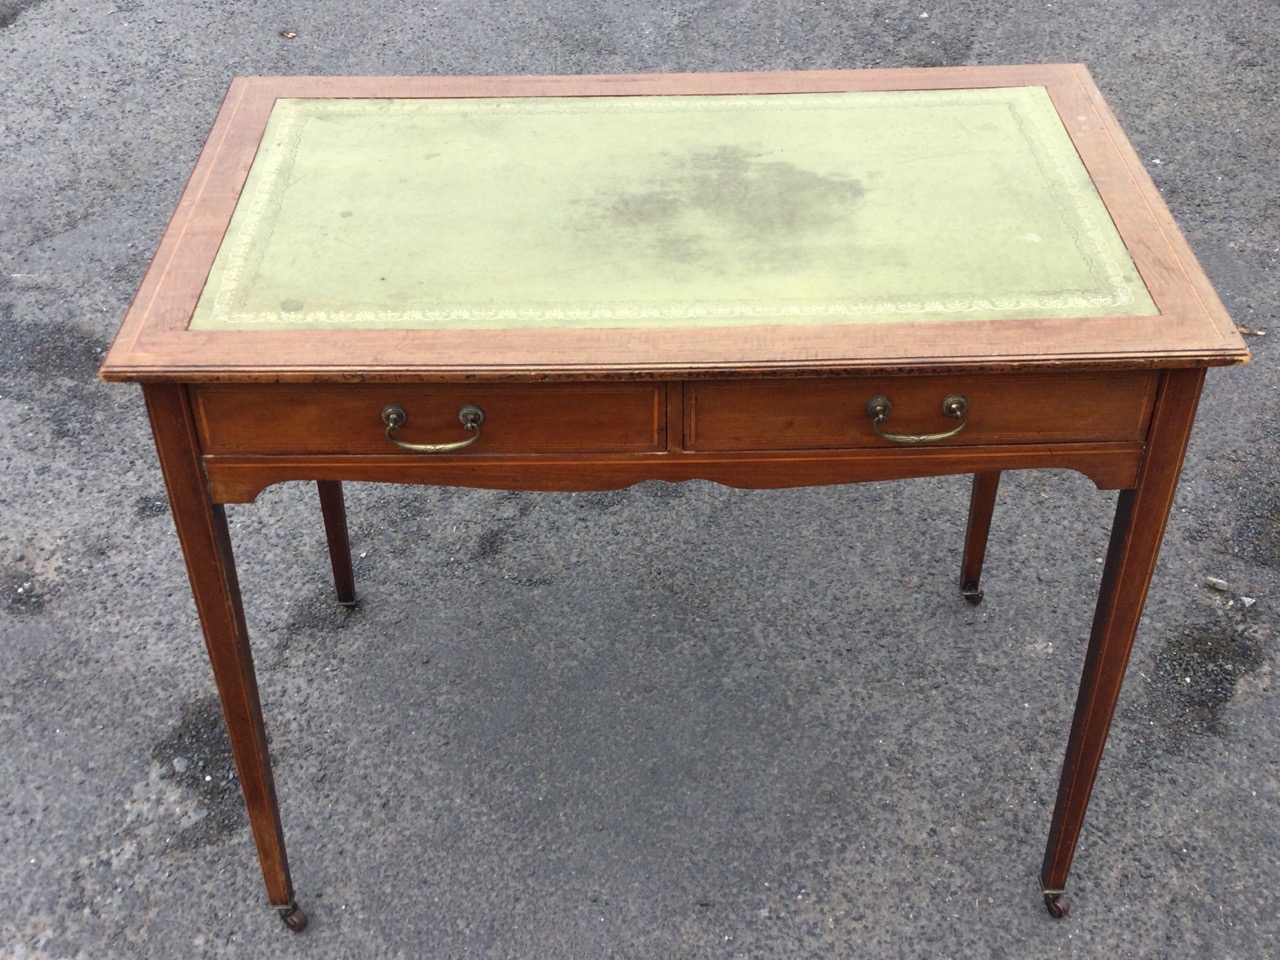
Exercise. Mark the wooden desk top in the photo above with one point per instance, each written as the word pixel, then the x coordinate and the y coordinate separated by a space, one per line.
pixel 375 228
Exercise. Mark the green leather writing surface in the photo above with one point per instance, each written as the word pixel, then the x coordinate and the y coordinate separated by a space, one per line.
pixel 675 210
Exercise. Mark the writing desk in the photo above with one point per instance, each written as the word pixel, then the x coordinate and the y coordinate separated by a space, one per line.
pixel 580 283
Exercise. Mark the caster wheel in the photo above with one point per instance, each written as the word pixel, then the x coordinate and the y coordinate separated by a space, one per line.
pixel 972 592
pixel 1057 907
pixel 294 918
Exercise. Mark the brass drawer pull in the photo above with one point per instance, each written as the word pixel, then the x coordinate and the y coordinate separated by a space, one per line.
pixel 954 406
pixel 471 416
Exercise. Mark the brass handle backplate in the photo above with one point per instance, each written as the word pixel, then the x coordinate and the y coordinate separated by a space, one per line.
pixel 954 406
pixel 469 415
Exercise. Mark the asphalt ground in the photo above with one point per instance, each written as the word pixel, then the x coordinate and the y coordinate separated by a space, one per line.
pixel 664 722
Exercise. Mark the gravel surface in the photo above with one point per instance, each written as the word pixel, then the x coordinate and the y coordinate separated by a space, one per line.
pixel 666 722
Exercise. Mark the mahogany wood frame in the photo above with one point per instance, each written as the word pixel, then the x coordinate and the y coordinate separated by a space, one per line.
pixel 1130 436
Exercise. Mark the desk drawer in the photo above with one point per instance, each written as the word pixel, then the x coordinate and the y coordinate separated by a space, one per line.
pixel 518 418
pixel 817 414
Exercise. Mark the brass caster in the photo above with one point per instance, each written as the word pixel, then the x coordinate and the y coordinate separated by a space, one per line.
pixel 293 917
pixel 1057 907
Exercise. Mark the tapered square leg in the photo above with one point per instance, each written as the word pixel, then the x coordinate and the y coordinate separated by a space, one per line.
pixel 206 547
pixel 334 511
pixel 982 505
pixel 1141 515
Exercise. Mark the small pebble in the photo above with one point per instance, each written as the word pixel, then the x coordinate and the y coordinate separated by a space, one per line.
pixel 180 764
pixel 1216 583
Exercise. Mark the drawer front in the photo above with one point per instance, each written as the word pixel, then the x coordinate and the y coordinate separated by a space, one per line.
pixel 830 413
pixel 518 418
